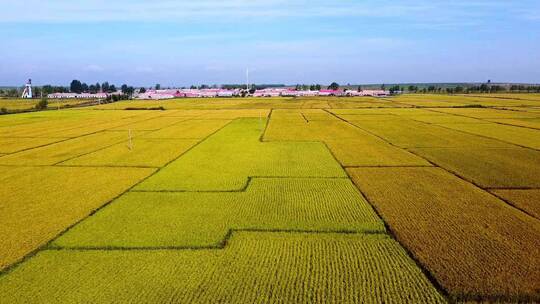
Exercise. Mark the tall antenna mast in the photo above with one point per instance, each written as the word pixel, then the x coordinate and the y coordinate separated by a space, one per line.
pixel 247 79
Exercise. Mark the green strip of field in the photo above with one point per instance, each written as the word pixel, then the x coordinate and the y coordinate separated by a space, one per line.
pixel 252 268
pixel 203 219
pixel 225 161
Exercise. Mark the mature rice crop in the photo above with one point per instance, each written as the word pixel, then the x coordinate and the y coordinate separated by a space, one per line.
pixel 474 244
pixel 350 145
pixel 445 119
pixel 520 122
pixel 516 135
pixel 12 145
pixel 411 134
pixel 236 153
pixel 190 129
pixel 151 124
pixel 233 114
pixel 195 219
pixel 208 104
pixel 138 152
pixel 38 203
pixel 492 168
pixel 525 199
pixel 61 151
pixel 488 113
pixel 456 100
pixel 363 102
pixel 253 268
pixel 18 104
pixel 76 124
pixel 369 117
pixel 430 101
pixel 396 111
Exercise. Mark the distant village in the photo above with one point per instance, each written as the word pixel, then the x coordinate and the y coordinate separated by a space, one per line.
pixel 211 93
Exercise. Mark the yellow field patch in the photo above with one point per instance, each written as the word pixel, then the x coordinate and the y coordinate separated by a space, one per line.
pixel 511 134
pixel 521 122
pixel 525 199
pixel 138 152
pixel 189 129
pixel 445 119
pixel 151 124
pixel 11 145
pixel 350 145
pixel 410 134
pixel 473 243
pixel 40 202
pixel 58 152
pixel 369 117
pixel 488 113
pixel 495 168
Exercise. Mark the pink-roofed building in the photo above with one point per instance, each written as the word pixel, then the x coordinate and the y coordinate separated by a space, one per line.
pixel 330 93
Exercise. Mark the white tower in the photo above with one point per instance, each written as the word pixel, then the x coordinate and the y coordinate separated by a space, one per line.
pixel 27 93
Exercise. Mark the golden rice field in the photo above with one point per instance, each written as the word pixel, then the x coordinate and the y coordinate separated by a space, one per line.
pixel 409 199
pixel 18 104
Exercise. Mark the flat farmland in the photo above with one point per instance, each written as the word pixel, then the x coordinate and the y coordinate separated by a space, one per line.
pixel 410 199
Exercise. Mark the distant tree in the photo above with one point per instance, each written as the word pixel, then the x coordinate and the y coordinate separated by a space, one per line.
pixel 317 87
pixel 333 86
pixel 484 88
pixel 92 89
pixel 394 89
pixel 124 88
pixel 112 88
pixel 47 89
pixel 105 87
pixel 13 93
pixel 142 90
pixel 36 91
pixel 129 91
pixel 383 87
pixel 98 87
pixel 458 90
pixel 84 87
pixel 158 86
pixel 360 88
pixel 76 86
pixel 204 86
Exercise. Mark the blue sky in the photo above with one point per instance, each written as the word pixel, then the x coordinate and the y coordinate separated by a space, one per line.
pixel 178 43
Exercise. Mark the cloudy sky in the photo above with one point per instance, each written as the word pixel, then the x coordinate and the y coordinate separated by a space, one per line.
pixel 281 41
